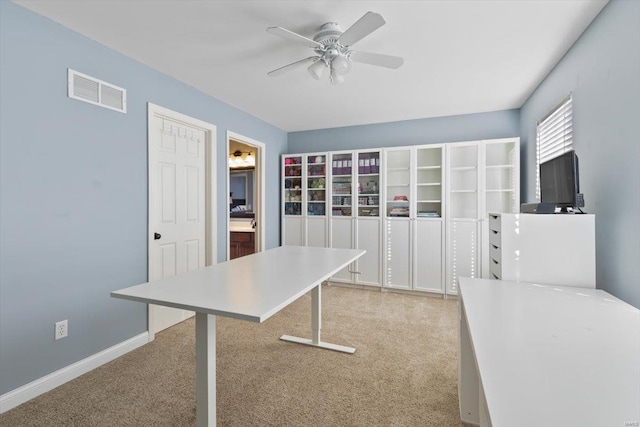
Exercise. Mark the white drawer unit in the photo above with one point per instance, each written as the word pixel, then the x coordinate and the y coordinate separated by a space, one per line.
pixel 552 249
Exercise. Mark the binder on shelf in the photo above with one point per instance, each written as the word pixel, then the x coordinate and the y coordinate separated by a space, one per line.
pixel 348 171
pixel 360 166
pixel 367 166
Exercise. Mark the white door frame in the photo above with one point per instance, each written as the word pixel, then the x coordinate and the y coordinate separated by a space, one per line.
pixel 259 195
pixel 211 228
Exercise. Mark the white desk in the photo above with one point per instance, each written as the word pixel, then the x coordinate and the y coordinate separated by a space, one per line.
pixel 252 288
pixel 544 355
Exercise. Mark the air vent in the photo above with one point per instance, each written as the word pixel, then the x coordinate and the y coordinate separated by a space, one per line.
pixel 89 89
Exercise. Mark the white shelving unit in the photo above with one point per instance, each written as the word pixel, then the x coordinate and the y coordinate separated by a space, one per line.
pixel 413 224
pixel 483 176
pixel 304 200
pixel 355 213
pixel 420 212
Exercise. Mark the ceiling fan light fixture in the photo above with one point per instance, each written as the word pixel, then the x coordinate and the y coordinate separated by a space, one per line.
pixel 316 70
pixel 336 78
pixel 341 65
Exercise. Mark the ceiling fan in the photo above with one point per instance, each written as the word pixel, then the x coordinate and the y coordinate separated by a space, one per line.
pixel 333 49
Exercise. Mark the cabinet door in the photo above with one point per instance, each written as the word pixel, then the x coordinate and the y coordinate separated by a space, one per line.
pixel 368 238
pixel 397 181
pixel 428 258
pixel 316 185
pixel 398 254
pixel 292 229
pixel 368 184
pixel 316 232
pixel 292 185
pixel 463 253
pixel 342 238
pixel 234 250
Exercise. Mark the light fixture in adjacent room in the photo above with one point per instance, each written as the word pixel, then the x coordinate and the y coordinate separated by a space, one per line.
pixel 241 159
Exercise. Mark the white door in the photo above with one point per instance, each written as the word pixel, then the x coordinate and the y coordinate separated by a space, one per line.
pixel 317 232
pixel 463 252
pixel 368 238
pixel 342 238
pixel 177 221
pixel 427 258
pixel 398 253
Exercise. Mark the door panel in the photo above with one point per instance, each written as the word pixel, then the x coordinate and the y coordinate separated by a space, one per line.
pixel 463 253
pixel 177 207
pixel 317 232
pixel 368 239
pixel 428 256
pixel 398 256
pixel 342 238
pixel 292 231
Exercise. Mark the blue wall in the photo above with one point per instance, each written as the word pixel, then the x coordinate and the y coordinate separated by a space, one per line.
pixel 73 189
pixel 602 70
pixel 469 127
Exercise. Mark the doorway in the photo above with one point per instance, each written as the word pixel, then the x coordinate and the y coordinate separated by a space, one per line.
pixel 181 210
pixel 245 187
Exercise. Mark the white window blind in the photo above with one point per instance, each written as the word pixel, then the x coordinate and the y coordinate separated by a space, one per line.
pixel 554 136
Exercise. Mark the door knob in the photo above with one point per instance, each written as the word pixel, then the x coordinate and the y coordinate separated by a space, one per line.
pixel 156 236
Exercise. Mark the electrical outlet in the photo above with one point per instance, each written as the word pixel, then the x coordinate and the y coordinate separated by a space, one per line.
pixel 61 329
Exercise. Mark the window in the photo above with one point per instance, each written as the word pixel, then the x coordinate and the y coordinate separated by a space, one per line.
pixel 554 136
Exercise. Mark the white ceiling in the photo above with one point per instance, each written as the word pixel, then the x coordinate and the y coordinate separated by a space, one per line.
pixel 460 56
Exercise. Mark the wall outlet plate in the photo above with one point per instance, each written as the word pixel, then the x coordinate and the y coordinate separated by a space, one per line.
pixel 61 329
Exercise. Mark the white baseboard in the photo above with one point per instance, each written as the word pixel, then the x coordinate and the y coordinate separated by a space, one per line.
pixel 42 385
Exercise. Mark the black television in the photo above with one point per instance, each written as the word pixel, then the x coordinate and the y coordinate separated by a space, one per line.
pixel 560 182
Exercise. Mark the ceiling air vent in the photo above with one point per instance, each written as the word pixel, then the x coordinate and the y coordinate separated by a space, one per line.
pixel 89 89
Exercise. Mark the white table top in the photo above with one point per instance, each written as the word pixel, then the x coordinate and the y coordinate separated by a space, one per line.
pixel 554 355
pixel 253 287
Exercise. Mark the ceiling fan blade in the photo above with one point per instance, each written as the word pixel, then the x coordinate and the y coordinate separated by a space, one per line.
pixel 290 35
pixel 292 66
pixel 378 59
pixel 363 27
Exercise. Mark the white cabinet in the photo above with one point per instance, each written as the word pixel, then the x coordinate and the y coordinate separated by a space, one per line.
pixel 414 244
pixel 420 212
pixel 428 249
pixel 355 213
pixel 304 200
pixel 463 205
pixel 482 176
pixel 548 249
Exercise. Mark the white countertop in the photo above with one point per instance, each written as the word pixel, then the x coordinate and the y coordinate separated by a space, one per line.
pixel 242 225
pixel 253 287
pixel 241 228
pixel 554 355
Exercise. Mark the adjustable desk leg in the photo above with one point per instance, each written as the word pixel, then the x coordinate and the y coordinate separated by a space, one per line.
pixel 316 327
pixel 205 370
pixel 316 313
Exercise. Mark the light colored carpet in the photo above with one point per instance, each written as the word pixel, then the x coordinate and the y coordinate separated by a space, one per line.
pixel 403 372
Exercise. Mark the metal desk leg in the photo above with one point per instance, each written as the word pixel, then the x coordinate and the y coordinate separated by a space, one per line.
pixel 205 370
pixel 316 327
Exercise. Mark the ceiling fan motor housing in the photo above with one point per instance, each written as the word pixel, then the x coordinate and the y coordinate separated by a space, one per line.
pixel 328 34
